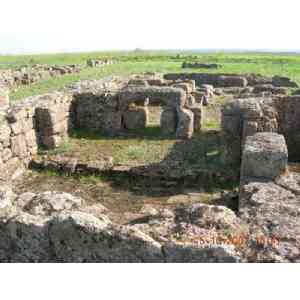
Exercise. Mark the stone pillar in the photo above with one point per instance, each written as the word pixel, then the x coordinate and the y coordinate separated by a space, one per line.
pixel 265 155
pixel 190 101
pixel 4 96
pixel 53 125
pixel 168 120
pixel 111 122
pixel 240 118
pixel 185 126
pixel 198 117
pixel 136 118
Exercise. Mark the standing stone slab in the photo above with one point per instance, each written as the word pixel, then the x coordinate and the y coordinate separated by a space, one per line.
pixel 18 146
pixel 265 155
pixel 185 128
pixel 168 121
pixel 198 117
pixel 136 118
pixel 111 122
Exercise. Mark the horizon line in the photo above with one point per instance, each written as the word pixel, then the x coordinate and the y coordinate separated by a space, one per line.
pixel 195 50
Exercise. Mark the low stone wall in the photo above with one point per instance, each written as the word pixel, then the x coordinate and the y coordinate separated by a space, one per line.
pixel 31 74
pixel 126 108
pixel 200 65
pixel 217 80
pixel 232 80
pixel 244 117
pixel 93 63
pixel 29 124
pixel 109 106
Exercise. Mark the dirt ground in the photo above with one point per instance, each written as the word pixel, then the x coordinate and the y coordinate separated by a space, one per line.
pixel 125 196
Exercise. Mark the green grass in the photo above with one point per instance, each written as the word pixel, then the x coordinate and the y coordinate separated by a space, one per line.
pixel 153 61
pixel 135 148
pixel 14 61
pixel 65 147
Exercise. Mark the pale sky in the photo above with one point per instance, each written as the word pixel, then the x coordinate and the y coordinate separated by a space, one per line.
pixel 36 26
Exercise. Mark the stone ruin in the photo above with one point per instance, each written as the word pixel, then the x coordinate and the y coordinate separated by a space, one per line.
pixel 93 63
pixel 125 107
pixel 195 65
pixel 46 121
pixel 269 197
pixel 240 85
pixel 245 117
pixel 59 227
pixel 52 226
pixel 262 135
pixel 31 74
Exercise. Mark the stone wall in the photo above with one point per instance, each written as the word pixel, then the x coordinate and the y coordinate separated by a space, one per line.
pixel 232 80
pixel 31 74
pixel 125 107
pixel 42 121
pixel 93 63
pixel 108 106
pixel 245 117
pixel 195 65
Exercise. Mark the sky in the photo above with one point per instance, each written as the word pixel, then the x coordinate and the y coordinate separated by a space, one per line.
pixel 41 26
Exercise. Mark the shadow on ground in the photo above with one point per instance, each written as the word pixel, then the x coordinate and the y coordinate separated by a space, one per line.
pixel 195 163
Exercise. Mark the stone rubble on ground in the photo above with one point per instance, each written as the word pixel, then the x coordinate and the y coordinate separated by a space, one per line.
pixel 260 133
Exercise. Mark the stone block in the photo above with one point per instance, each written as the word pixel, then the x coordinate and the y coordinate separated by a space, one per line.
pixel 31 139
pixel 52 141
pixel 136 118
pixel 190 101
pixel 264 155
pixel 18 146
pixel 185 126
pixel 61 127
pixel 111 122
pixel 198 117
pixel 168 121
pixel 48 117
pixel 169 96
pixel 249 128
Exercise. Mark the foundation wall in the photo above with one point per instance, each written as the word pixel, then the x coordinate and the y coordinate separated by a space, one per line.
pixel 42 121
pixel 245 117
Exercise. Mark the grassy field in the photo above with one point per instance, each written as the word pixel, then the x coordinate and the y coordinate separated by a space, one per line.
pixel 158 61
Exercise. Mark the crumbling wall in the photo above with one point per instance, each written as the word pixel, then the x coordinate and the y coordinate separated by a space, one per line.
pixel 93 63
pixel 46 120
pixel 196 65
pixel 30 74
pixel 95 109
pixel 126 107
pixel 245 117
pixel 232 80
pixel 217 80
pixel 29 124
